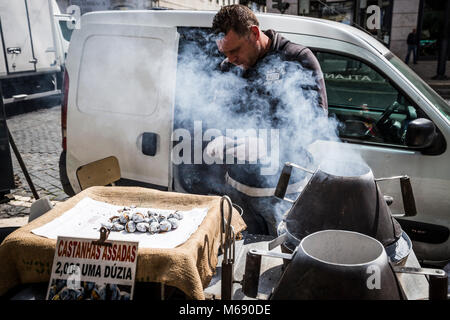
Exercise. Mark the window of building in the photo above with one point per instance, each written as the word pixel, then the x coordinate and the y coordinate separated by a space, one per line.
pixel 340 11
pixel 430 30
pixel 347 12
pixel 383 34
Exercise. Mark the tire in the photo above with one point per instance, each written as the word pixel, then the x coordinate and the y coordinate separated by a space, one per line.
pixel 63 175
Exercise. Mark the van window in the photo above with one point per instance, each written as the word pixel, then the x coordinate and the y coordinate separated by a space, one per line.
pixel 351 83
pixel 66 32
pixel 368 106
pixel 424 88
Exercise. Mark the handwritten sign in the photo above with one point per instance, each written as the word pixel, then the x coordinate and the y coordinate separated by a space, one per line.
pixel 83 270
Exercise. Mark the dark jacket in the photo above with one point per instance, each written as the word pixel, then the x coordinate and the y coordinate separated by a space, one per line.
pixel 263 99
pixel 411 40
pixel 290 51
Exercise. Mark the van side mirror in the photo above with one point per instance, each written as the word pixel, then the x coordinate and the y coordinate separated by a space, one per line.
pixel 420 134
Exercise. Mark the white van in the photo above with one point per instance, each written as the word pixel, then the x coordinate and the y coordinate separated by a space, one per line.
pixel 31 50
pixel 122 83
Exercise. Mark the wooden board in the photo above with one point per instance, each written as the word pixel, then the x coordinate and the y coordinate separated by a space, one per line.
pixel 99 173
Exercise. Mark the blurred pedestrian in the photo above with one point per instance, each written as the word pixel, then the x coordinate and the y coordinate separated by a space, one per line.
pixel 412 46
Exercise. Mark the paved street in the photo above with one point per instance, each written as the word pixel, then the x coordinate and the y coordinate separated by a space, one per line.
pixel 38 138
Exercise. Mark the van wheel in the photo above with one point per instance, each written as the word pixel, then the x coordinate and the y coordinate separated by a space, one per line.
pixel 63 175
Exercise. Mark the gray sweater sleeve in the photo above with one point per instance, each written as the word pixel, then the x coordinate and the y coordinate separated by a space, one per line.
pixel 309 61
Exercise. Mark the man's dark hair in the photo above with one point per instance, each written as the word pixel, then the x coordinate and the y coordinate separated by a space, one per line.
pixel 237 17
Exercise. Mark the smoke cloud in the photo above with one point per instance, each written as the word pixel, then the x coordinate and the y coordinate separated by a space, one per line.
pixel 226 100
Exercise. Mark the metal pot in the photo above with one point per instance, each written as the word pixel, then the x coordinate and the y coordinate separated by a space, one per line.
pixel 336 198
pixel 338 264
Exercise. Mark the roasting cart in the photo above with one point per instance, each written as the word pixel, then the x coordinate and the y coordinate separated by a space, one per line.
pixel 220 260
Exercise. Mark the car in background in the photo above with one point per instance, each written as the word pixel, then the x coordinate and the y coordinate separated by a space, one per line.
pixel 389 115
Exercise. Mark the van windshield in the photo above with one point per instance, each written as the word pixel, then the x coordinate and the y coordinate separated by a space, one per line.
pixel 423 87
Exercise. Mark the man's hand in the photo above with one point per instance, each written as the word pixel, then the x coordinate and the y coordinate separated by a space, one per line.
pixel 249 149
pixel 216 148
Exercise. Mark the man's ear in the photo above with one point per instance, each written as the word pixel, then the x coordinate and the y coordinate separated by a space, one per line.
pixel 219 43
pixel 255 31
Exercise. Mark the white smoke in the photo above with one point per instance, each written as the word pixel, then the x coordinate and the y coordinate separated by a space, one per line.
pixel 225 100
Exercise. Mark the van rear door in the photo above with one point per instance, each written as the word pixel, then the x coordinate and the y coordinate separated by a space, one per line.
pixel 16 36
pixel 42 34
pixel 121 99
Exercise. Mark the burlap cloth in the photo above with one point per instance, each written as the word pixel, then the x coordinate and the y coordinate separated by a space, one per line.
pixel 27 258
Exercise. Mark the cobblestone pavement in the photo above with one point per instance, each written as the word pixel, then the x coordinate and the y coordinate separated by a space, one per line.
pixel 37 135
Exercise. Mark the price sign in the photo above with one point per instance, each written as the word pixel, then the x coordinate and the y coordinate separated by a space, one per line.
pixel 85 270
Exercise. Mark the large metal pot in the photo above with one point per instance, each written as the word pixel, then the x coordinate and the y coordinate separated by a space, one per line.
pixel 345 196
pixel 337 264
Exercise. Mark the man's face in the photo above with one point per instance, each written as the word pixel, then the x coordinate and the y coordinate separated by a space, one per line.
pixel 242 51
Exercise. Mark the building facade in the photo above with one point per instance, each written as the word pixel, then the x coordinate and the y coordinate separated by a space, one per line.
pixel 397 19
pixel 96 5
